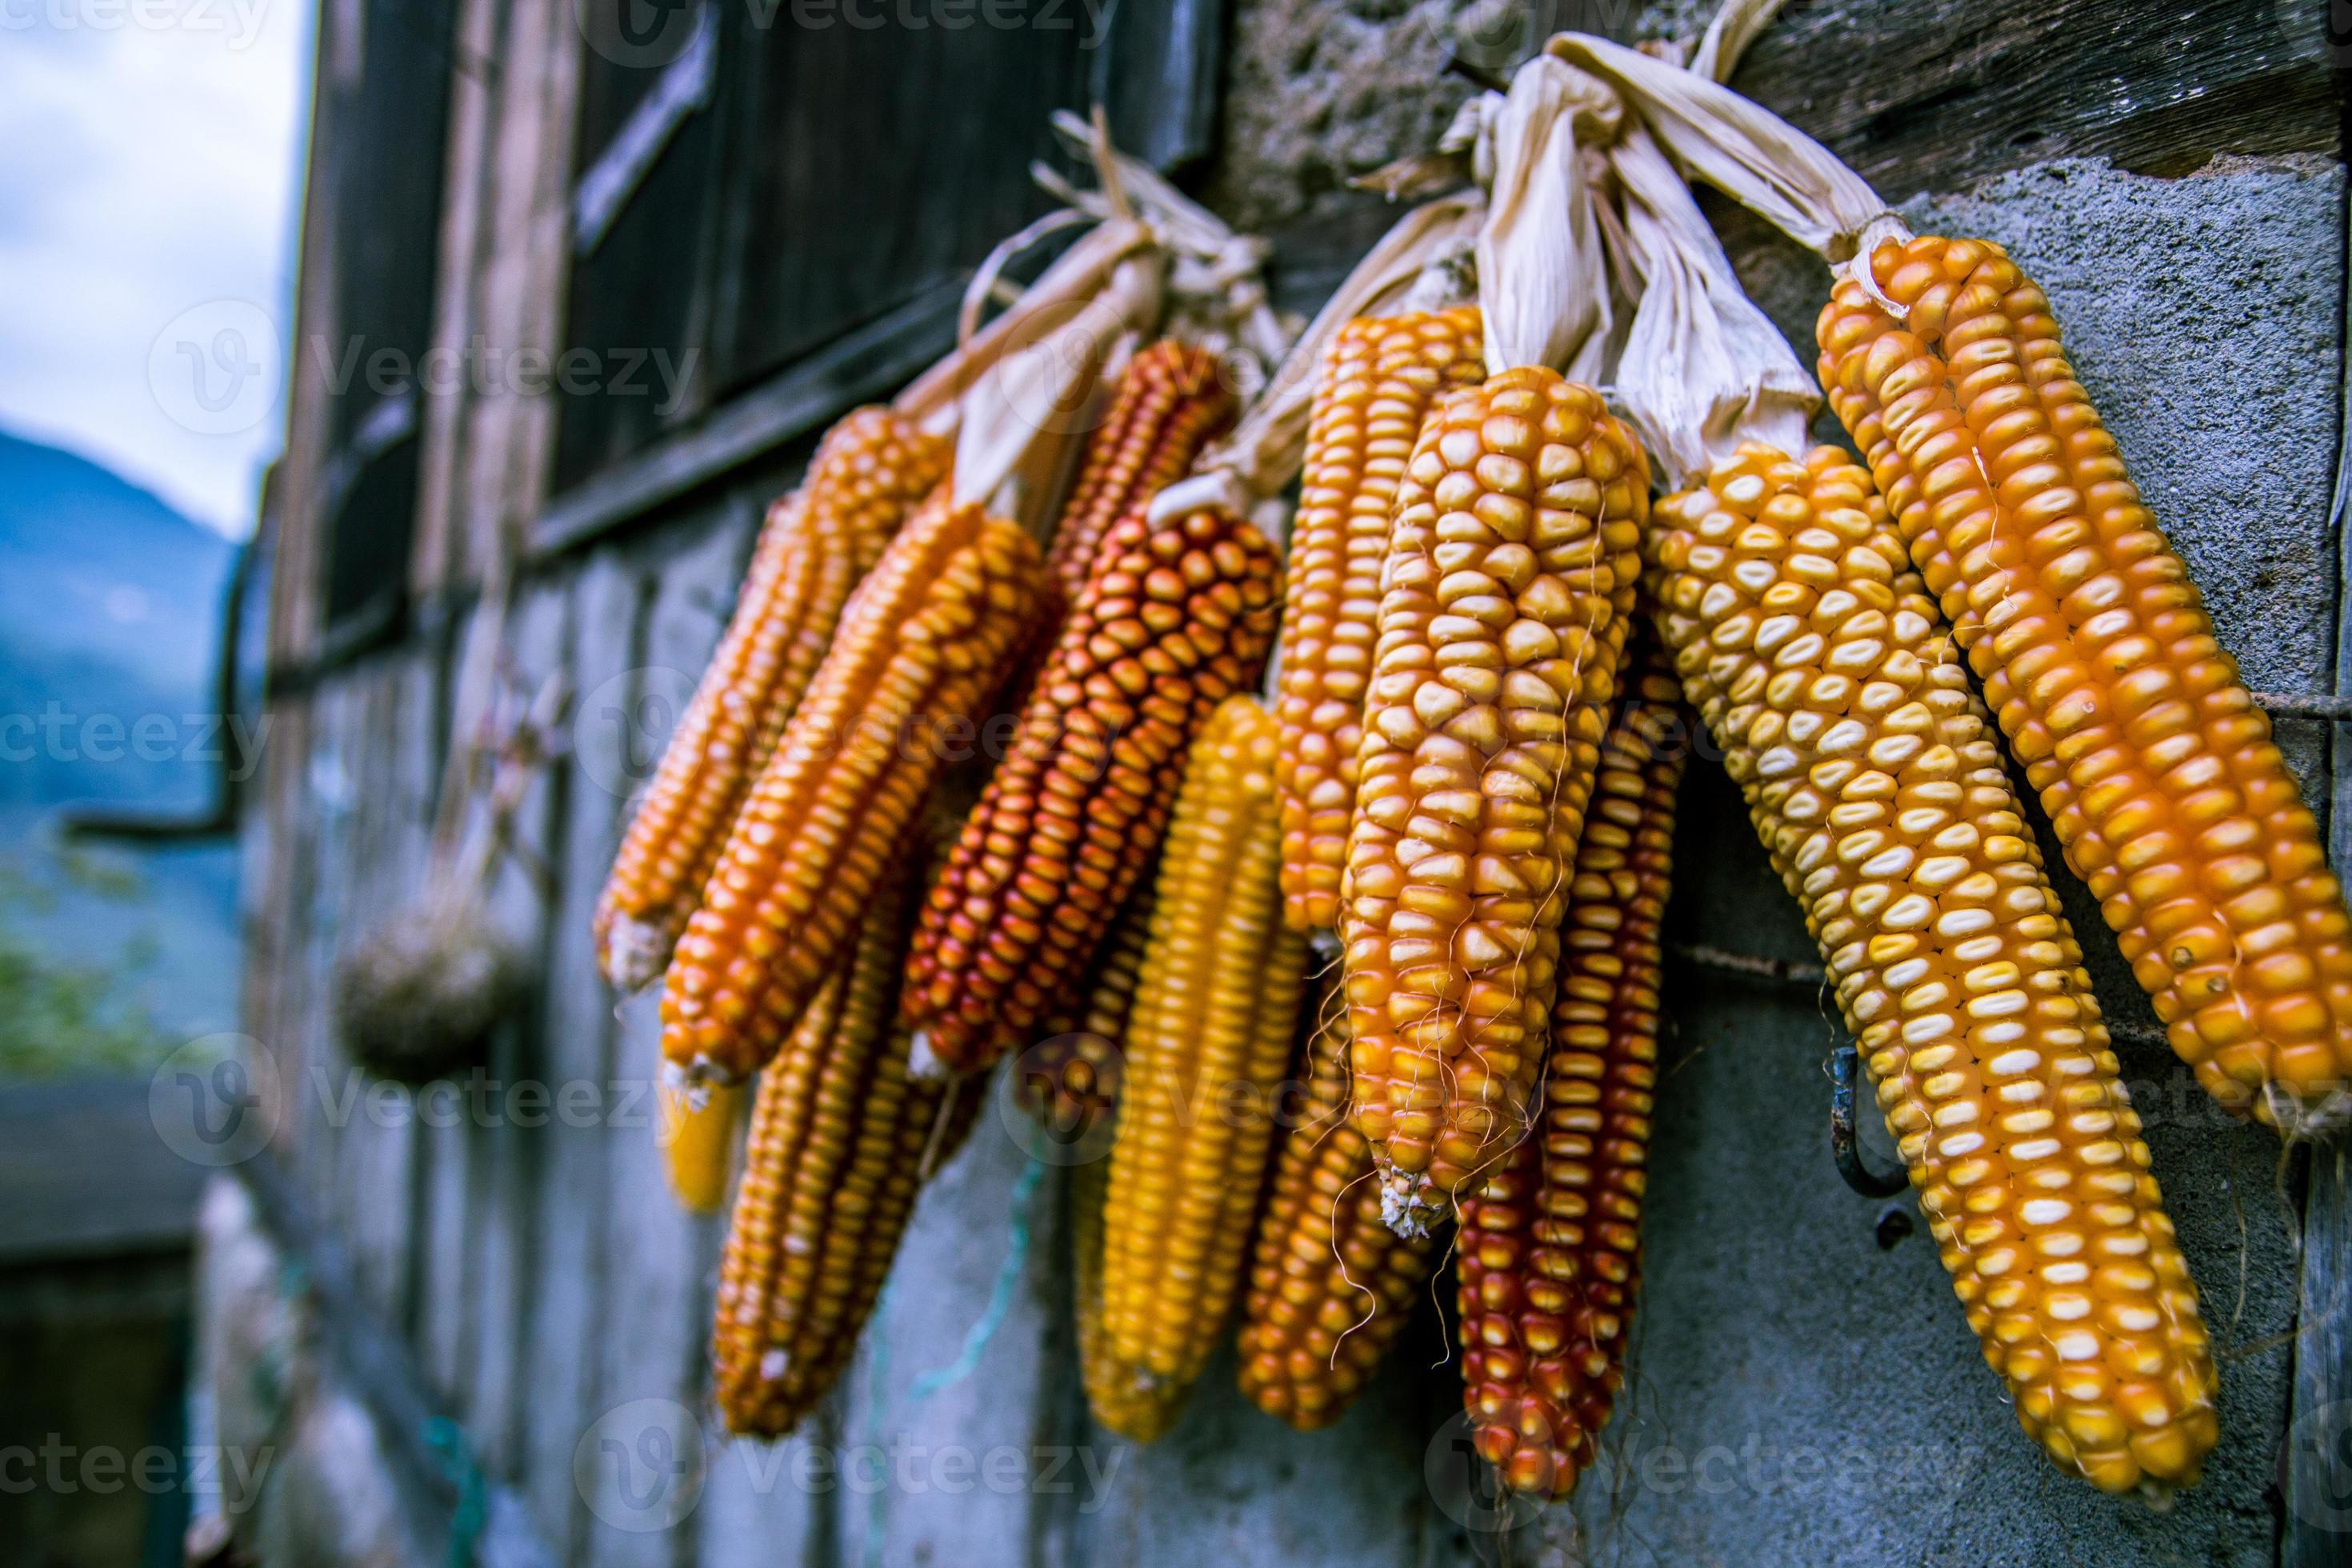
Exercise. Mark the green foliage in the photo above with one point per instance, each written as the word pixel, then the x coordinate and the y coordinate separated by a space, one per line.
pixel 59 1017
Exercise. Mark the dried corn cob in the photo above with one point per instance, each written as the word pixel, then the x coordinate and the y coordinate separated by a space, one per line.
pixel 1125 1398
pixel 1171 401
pixel 1177 618
pixel 1552 1248
pixel 2097 655
pixel 1380 377
pixel 923 645
pixel 841 1138
pixel 1330 1285
pixel 1503 609
pixel 1071 1078
pixel 1208 1046
pixel 817 544
pixel 699 1142
pixel 1826 675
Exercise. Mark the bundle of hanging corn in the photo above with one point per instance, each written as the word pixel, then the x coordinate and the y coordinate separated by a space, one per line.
pixel 807 804
pixel 1800 628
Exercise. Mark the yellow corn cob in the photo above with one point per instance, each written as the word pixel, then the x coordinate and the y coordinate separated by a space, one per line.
pixel 1172 400
pixel 922 647
pixel 1826 675
pixel 1208 1045
pixel 2158 771
pixel 1330 1285
pixel 1380 377
pixel 816 545
pixel 1070 1079
pixel 1178 616
pixel 698 1141
pixel 841 1139
pixel 1509 575
pixel 1125 1398
pixel 1550 1255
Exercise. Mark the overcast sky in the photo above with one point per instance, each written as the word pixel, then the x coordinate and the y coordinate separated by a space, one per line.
pixel 149 166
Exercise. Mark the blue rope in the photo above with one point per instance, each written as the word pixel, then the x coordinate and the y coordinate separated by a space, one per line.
pixel 448 1441
pixel 1000 1299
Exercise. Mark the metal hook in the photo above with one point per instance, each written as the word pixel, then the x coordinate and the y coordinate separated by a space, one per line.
pixel 1845 1066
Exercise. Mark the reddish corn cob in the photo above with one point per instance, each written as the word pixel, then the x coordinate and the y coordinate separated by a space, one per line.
pixel 841 1139
pixel 1380 377
pixel 1330 1285
pixel 1503 596
pixel 816 545
pixel 1208 1046
pixel 2098 656
pixel 923 645
pixel 1177 618
pixel 1171 401
pixel 1070 1079
pixel 1125 1398
pixel 1826 675
pixel 698 1138
pixel 1551 1247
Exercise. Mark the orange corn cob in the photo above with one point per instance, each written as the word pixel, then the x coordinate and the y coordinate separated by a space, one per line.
pixel 1125 1398
pixel 2156 769
pixel 1330 1285
pixel 922 647
pixel 1380 377
pixel 698 1138
pixel 1177 618
pixel 1207 1048
pixel 1830 680
pixel 1551 1247
pixel 841 1139
pixel 1503 608
pixel 1070 1079
pixel 817 544
pixel 1171 401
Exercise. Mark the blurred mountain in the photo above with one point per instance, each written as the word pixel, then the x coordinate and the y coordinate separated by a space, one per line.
pixel 109 615
pixel 109 611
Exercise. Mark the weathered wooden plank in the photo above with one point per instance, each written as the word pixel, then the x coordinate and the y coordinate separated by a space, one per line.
pixel 974 1465
pixel 1932 96
pixel 572 1060
pixel 394 764
pixel 658 1282
pixel 2317 1477
pixel 501 1218
pixel 444 1326
pixel 473 101
pixel 524 276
